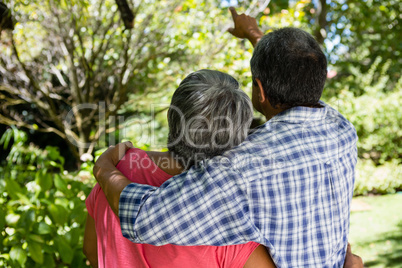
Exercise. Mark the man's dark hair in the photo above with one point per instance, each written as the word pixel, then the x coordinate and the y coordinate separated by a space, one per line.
pixel 291 67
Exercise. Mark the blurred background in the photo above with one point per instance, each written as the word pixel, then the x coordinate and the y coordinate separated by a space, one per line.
pixel 79 75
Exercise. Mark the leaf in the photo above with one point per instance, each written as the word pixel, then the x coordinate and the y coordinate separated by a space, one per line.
pixel 2 219
pixel 54 155
pixel 44 180
pixel 23 199
pixel 78 258
pixel 73 236
pixel 35 251
pixel 5 139
pixel 78 213
pixel 66 252
pixel 31 168
pixel 60 183
pixel 49 261
pixel 12 219
pixel 58 213
pixel 36 238
pixel 19 255
pixel 42 228
pixel 13 188
pixel 27 218
pixel 52 152
pixel 54 164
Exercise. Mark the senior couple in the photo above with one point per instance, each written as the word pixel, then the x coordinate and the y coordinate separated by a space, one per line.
pixel 278 197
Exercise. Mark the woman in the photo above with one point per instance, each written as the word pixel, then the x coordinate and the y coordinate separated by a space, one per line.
pixel 209 114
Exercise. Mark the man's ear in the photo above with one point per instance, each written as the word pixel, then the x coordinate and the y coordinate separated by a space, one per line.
pixel 261 93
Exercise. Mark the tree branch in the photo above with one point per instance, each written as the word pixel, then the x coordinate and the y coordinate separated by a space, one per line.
pixel 120 95
pixel 68 43
pixel 26 95
pixel 85 63
pixel 126 13
pixel 103 47
pixel 50 108
pixel 32 80
pixel 10 101
pixel 10 122
pixel 320 32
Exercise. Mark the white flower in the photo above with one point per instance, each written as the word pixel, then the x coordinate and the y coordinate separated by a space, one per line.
pixel 86 157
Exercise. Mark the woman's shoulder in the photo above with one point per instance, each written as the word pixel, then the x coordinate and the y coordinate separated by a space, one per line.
pixel 166 162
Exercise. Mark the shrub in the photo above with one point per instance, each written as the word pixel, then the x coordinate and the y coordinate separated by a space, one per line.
pixel 384 179
pixel 42 209
pixel 376 114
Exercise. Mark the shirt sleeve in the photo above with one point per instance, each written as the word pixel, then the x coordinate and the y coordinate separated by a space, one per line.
pixel 204 206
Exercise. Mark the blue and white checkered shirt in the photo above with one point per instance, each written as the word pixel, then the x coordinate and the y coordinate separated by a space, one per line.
pixel 289 187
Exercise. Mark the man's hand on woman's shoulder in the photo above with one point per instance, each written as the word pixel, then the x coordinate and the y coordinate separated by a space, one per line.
pixel 111 180
pixel 110 158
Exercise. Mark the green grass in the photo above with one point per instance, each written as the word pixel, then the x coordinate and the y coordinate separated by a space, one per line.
pixel 376 234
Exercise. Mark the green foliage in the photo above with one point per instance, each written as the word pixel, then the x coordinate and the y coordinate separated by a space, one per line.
pixel 75 52
pixel 43 214
pixel 367 86
pixel 372 103
pixel 383 179
pixel 375 112
pixel 361 41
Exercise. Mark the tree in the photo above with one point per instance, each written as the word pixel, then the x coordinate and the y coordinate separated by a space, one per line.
pixel 79 64
pixel 6 20
pixel 366 52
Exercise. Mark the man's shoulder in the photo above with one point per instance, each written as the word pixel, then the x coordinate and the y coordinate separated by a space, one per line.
pixel 344 126
pixel 333 111
pixel 297 138
pixel 257 140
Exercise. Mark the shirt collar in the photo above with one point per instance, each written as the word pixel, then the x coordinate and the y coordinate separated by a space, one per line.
pixel 301 114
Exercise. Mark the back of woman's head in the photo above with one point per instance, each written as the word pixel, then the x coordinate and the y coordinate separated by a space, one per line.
pixel 208 115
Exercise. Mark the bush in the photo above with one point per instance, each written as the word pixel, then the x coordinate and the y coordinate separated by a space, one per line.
pixel 376 113
pixel 384 179
pixel 371 100
pixel 42 209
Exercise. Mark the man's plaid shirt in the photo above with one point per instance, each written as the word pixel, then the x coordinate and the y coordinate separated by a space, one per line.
pixel 289 187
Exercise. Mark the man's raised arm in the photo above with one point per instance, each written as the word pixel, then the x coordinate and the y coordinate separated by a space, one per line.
pixel 245 27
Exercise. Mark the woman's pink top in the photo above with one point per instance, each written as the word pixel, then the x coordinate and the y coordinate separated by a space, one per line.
pixel 116 251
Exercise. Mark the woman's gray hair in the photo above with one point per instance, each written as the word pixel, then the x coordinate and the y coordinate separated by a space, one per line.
pixel 208 115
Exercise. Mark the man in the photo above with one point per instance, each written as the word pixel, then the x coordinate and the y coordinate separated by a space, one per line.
pixel 288 186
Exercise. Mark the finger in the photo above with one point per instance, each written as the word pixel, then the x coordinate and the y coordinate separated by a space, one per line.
pixel 349 249
pixel 119 151
pixel 128 144
pixel 124 147
pixel 234 13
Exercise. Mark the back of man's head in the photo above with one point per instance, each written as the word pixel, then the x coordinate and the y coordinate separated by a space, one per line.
pixel 291 67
